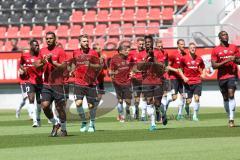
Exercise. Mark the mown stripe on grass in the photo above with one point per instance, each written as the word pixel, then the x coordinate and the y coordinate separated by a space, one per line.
pixel 106 136
pixel 203 117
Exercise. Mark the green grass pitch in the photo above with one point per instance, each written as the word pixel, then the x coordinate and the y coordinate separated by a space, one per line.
pixel 208 139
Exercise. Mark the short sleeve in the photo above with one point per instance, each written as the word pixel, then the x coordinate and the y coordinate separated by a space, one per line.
pixel 214 55
pixel 61 55
pixel 113 64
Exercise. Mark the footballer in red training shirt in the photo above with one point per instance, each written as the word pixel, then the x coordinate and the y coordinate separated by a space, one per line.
pixel 101 76
pixel 23 77
pixel 166 84
pixel 175 76
pixel 53 63
pixel 152 68
pixel 34 81
pixel 120 73
pixel 87 68
pixel 134 57
pixel 194 70
pixel 224 59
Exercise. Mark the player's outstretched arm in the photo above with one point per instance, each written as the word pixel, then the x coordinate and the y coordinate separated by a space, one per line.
pixel 169 68
pixel 237 60
pixel 203 73
pixel 180 72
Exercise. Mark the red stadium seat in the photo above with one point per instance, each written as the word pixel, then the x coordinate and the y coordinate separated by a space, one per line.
pixel 115 15
pixel 90 16
pixel 103 4
pixel 116 4
pixel 140 29
pixel 114 29
pixel 73 44
pixel 167 2
pixel 127 29
pixel 113 40
pixel 62 31
pixel 25 32
pixel 111 43
pixel 7 46
pixel 155 3
pixel 37 31
pixel 180 2
pixel 167 42
pixel 12 32
pixel 63 42
pixel 100 41
pixel 153 28
pixel 76 17
pixel 167 14
pixel 102 16
pixel 129 3
pixel 50 28
pixel 3 32
pixel 88 29
pixel 128 15
pixel 23 44
pixel 75 31
pixel 141 15
pixel 100 30
pixel 154 14
pixel 142 3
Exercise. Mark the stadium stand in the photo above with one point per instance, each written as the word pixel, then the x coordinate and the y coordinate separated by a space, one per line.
pixel 70 18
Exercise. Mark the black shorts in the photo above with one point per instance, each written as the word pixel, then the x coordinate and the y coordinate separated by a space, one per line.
pixel 177 85
pixel 155 91
pixel 89 91
pixel 123 92
pixel 194 89
pixel 166 85
pixel 225 84
pixel 136 87
pixel 35 88
pixel 23 90
pixel 53 92
pixel 101 88
pixel 66 91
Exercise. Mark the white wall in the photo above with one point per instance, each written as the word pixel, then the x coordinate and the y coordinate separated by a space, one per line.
pixel 204 13
pixel 233 19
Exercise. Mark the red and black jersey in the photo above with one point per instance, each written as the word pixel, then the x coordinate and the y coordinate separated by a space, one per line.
pixel 84 74
pixel 122 68
pixel 165 54
pixel 34 74
pixel 192 67
pixel 52 74
pixel 153 72
pixel 174 60
pixel 220 54
pixel 135 57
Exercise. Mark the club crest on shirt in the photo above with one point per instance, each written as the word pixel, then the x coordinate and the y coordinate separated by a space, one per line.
pixel 225 51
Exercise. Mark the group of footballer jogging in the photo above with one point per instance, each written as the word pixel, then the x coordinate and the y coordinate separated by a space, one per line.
pixel 148 73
